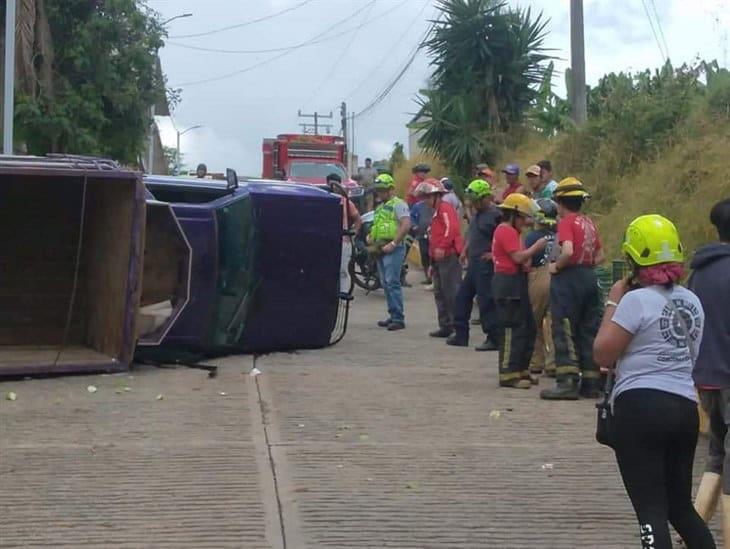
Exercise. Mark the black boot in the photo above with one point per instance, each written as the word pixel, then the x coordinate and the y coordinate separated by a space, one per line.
pixel 488 345
pixel 441 332
pixel 457 340
pixel 384 323
pixel 590 388
pixel 566 389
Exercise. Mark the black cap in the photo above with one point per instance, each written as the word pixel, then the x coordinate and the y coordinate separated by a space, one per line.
pixel 545 165
pixel 334 177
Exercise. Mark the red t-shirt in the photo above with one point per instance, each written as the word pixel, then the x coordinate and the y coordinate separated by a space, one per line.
pixel 445 231
pixel 581 231
pixel 506 240
pixel 510 190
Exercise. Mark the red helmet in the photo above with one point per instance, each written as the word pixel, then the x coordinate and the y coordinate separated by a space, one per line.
pixel 430 186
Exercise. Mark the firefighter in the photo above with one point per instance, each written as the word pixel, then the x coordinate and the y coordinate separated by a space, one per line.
pixel 479 269
pixel 445 247
pixel 575 302
pixel 391 224
pixel 516 325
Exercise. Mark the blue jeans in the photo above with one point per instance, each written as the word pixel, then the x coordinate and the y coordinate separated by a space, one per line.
pixel 389 267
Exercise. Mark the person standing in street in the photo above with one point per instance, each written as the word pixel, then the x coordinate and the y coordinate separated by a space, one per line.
pixel 445 247
pixel 547 183
pixel 391 224
pixel 514 314
pixel 652 330
pixel 710 280
pixel 534 184
pixel 479 269
pixel 420 174
pixel 575 301
pixel 367 174
pixel 421 217
pixel 543 357
pixel 452 198
pixel 351 221
pixel 512 175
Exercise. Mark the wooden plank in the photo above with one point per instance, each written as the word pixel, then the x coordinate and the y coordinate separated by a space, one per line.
pixel 17 356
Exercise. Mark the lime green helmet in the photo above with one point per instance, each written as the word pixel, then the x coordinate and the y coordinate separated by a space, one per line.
pixel 384 182
pixel 651 240
pixel 478 189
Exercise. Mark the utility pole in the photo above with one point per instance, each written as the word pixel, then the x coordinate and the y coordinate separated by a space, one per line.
pixel 177 151
pixel 9 92
pixel 307 128
pixel 343 130
pixel 578 63
pixel 352 142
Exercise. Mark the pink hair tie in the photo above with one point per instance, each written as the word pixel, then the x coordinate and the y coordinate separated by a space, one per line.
pixel 664 273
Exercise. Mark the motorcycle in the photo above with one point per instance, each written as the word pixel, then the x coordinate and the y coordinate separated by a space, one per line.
pixel 363 266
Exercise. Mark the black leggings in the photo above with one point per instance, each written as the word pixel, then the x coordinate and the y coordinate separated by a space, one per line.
pixel 656 436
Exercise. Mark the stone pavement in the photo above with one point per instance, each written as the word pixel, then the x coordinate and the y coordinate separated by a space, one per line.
pixel 386 440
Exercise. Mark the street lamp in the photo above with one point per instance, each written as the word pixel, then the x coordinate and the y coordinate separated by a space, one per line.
pixel 166 21
pixel 151 148
pixel 177 154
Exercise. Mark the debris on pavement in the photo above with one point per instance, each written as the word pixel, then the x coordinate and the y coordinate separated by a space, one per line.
pixel 160 396
pixel 547 466
pixel 11 396
pixel 92 389
pixel 254 372
pixel 495 414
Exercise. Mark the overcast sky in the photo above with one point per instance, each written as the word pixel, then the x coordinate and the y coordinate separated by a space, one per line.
pixel 240 98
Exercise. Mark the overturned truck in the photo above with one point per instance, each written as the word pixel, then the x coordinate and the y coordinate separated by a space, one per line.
pixel 70 264
pixel 232 268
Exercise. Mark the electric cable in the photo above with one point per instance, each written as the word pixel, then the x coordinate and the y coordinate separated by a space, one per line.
pixel 661 30
pixel 389 53
pixel 246 23
pixel 651 24
pixel 339 59
pixel 286 52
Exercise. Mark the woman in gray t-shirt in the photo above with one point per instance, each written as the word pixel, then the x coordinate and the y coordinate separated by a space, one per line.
pixel 652 330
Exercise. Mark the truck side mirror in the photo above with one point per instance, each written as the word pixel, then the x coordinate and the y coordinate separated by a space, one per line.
pixel 231 179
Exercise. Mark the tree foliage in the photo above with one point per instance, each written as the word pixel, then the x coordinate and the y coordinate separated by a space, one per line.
pixel 104 80
pixel 488 64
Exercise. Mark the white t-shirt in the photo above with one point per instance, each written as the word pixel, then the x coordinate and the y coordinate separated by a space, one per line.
pixel 658 356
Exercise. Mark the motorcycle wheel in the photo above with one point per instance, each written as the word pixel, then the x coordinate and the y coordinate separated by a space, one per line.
pixel 364 273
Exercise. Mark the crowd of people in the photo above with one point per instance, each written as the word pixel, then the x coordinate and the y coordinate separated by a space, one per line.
pixel 528 259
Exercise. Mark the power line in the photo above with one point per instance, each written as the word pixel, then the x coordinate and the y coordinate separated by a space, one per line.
pixel 310 42
pixel 659 24
pixel 339 59
pixel 653 31
pixel 378 99
pixel 389 53
pixel 246 23
pixel 315 39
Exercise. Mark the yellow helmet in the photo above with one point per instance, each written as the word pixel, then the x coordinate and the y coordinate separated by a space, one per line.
pixel 568 187
pixel 651 240
pixel 517 202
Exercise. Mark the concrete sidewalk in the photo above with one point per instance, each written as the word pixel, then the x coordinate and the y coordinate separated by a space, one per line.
pixel 386 440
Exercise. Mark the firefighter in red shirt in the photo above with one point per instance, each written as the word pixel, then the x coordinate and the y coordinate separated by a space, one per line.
pixel 575 302
pixel 444 248
pixel 516 323
pixel 420 174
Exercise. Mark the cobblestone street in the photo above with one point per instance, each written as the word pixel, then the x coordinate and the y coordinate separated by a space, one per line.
pixel 385 440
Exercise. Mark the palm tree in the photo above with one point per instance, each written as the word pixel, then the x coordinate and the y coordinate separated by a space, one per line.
pixel 488 65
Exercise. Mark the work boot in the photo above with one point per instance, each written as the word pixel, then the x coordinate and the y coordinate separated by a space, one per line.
pixel 384 323
pixel 708 495
pixel 488 345
pixel 455 340
pixel 590 388
pixel 550 372
pixel 517 384
pixel 395 326
pixel 441 332
pixel 566 389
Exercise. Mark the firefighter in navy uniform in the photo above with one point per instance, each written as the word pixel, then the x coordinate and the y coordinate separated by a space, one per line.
pixel 575 301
